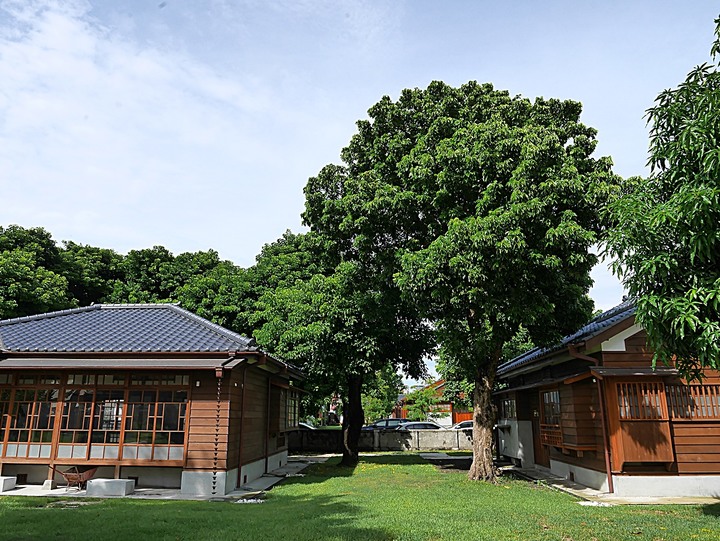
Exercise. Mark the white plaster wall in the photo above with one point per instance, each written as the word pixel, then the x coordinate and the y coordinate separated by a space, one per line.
pixel 36 473
pixel 508 438
pixel 667 485
pixel 278 460
pixel 250 472
pixel 584 476
pixel 617 342
pixel 516 441
pixel 151 477
pixel 254 470
pixel 526 451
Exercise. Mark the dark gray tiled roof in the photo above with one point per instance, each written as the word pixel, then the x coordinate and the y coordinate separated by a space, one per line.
pixel 595 327
pixel 125 328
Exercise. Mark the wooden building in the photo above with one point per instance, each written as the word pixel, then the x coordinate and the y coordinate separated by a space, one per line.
pixel 593 409
pixel 145 391
pixel 445 412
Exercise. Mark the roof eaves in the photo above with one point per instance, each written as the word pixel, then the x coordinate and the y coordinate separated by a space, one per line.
pixel 593 328
pixel 48 315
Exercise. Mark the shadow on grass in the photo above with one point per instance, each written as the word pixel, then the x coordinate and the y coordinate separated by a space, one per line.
pixel 393 459
pixel 331 468
pixel 712 509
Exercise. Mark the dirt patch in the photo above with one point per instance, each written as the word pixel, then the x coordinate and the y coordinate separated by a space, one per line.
pixel 69 504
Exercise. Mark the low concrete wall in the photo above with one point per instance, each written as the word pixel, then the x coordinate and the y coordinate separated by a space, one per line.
pixel 667 485
pixel 330 441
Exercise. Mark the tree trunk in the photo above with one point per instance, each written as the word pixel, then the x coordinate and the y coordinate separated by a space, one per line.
pixel 353 418
pixel 482 468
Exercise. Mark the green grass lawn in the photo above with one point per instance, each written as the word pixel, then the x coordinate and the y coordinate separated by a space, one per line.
pixel 387 497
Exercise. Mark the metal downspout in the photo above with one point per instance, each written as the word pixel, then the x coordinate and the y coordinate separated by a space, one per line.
pixel 241 481
pixel 601 398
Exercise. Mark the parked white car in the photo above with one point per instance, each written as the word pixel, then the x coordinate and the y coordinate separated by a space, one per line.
pixel 420 425
pixel 462 425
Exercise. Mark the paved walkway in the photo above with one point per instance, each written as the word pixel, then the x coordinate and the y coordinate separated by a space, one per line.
pixel 253 491
pixel 590 496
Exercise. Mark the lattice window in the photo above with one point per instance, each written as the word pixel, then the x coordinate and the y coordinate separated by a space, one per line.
pixel 551 407
pixel 76 418
pixel 5 379
pixel 4 411
pixel 159 379
pixel 508 409
pixel 640 400
pixel 550 431
pixel 155 425
pixel 107 417
pixel 31 422
pixel 694 401
pixel 292 409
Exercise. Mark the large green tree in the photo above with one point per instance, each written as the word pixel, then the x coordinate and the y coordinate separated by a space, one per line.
pixel 666 234
pixel 27 288
pixel 31 279
pixel 92 273
pixel 483 207
pixel 340 337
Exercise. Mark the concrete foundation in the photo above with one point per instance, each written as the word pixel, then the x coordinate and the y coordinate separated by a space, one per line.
pixel 110 487
pixel 148 476
pixel 584 476
pixel 7 483
pixel 667 486
pixel 201 482
pixel 255 470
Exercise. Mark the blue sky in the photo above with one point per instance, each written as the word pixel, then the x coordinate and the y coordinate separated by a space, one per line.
pixel 195 125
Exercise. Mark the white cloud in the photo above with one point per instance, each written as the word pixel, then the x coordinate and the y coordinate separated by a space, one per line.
pixel 99 134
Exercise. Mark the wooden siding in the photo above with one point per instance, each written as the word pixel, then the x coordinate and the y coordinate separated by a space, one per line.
pixel 580 421
pixel 697 446
pixel 254 425
pixel 208 424
pixel 235 414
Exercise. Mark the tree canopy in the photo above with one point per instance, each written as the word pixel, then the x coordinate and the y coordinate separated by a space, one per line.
pixel 665 232
pixel 482 208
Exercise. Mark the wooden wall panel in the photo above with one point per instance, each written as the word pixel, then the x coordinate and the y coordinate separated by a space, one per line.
pixel 203 424
pixel 581 416
pixel 255 416
pixel 697 446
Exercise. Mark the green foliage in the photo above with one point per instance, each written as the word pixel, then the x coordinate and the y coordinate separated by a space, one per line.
pixel 481 207
pixel 421 402
pixel 92 273
pixel 26 288
pixel 35 240
pixel 665 233
pixel 222 294
pixel 459 392
pixel 381 395
pixel 30 273
pixel 316 325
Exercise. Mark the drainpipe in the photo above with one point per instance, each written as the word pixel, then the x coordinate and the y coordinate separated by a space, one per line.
pixel 267 427
pixel 572 349
pixel 242 434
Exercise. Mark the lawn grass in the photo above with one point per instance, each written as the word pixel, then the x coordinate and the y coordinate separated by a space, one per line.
pixel 386 497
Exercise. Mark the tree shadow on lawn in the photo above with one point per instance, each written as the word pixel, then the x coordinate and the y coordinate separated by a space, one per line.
pixel 712 509
pixel 393 459
pixel 319 472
